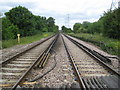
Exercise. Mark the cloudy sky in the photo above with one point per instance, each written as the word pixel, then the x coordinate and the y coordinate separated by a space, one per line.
pixel 77 10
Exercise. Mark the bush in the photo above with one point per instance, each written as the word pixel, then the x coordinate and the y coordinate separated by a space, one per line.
pixel 9 31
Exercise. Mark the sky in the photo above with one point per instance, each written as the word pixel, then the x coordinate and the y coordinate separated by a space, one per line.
pixel 65 12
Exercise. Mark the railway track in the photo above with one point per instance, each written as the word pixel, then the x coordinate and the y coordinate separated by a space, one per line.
pixel 92 72
pixel 14 70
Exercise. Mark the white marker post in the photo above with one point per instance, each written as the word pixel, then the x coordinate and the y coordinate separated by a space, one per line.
pixel 18 38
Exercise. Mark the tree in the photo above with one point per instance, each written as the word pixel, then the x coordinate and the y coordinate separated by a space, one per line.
pixel 111 23
pixel 86 24
pixel 66 30
pixel 45 29
pixel 76 27
pixel 9 31
pixel 50 23
pixel 108 25
pixel 23 18
pixel 55 29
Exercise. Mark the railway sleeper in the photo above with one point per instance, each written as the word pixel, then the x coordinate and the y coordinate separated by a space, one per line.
pixel 100 56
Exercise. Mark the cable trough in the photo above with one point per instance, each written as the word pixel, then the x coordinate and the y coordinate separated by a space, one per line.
pixel 100 58
pixel 16 69
pixel 92 73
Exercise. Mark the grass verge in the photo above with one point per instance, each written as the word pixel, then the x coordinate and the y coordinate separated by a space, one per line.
pixel 24 40
pixel 112 46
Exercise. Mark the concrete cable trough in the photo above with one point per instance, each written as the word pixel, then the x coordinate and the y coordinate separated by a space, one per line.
pixel 92 72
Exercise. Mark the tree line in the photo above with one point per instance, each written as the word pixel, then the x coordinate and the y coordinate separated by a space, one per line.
pixel 108 25
pixel 66 30
pixel 21 20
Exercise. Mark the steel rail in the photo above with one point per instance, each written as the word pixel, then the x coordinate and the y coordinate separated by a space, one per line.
pixel 47 53
pixel 78 75
pixel 92 54
pixel 23 77
pixel 15 56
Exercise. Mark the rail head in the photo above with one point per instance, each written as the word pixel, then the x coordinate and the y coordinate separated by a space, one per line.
pixel 33 65
pixel 79 78
pixel 89 51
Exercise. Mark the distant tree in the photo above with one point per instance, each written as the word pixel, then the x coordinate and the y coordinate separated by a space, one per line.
pixel 76 27
pixel 56 28
pixel 95 27
pixel 66 30
pixel 50 23
pixel 86 24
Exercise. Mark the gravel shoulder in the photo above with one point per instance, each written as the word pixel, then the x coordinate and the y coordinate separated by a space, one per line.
pixel 9 52
pixel 22 63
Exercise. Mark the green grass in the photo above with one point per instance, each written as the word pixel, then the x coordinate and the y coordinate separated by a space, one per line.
pixel 24 40
pixel 112 46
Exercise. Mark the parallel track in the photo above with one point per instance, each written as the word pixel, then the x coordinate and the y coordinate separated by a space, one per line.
pixel 90 72
pixel 15 69
pixel 74 66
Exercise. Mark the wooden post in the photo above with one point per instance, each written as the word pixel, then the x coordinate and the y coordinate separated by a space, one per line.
pixel 18 38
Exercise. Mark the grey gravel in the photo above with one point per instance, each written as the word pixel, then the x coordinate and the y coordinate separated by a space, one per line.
pixel 17 63
pixel 9 52
pixel 115 62
pixel 62 74
pixel 82 59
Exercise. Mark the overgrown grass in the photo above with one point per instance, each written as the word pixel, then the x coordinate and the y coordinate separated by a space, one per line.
pixel 111 46
pixel 24 40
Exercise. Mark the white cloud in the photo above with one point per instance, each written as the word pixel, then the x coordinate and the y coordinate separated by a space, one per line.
pixel 79 10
